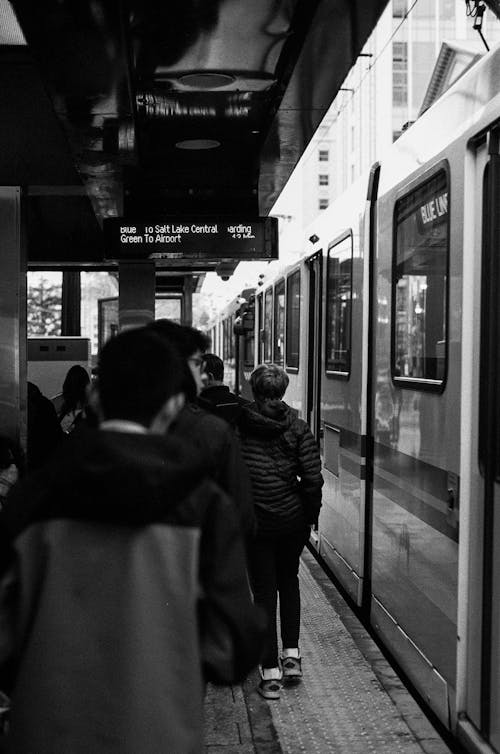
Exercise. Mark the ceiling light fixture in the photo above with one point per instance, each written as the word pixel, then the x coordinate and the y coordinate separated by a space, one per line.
pixel 209 80
pixel 195 144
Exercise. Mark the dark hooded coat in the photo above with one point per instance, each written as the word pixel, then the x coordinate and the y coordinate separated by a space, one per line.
pixel 125 590
pixel 285 468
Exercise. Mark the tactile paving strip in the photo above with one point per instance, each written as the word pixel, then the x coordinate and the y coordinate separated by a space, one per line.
pixel 339 706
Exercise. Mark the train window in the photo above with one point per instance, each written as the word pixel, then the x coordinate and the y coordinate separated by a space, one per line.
pixel 420 284
pixel 231 337
pixel 268 324
pixel 224 339
pixel 260 330
pixel 249 338
pixel 279 323
pixel 293 320
pixel 338 307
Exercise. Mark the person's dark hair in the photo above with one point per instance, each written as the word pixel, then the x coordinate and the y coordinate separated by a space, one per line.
pixel 138 372
pixel 74 389
pixel 10 452
pixel 187 340
pixel 269 383
pixel 214 366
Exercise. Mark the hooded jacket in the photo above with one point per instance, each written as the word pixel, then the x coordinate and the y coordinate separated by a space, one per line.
pixel 285 467
pixel 124 591
pixel 218 447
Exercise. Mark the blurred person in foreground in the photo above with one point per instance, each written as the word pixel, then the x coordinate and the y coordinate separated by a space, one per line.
pixel 212 437
pixel 215 396
pixel 285 468
pixel 44 433
pixel 126 589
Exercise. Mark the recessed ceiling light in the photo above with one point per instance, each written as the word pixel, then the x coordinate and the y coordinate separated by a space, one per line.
pixel 201 80
pixel 198 144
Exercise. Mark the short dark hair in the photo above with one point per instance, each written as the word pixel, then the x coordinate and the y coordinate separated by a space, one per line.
pixel 138 372
pixel 187 339
pixel 214 366
pixel 269 382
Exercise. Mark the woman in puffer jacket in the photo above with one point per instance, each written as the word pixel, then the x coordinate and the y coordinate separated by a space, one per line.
pixel 285 469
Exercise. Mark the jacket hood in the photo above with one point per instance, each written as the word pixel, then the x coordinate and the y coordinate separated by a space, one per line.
pixel 276 419
pixel 112 476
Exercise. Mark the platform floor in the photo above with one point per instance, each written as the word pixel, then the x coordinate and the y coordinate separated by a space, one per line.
pixel 349 701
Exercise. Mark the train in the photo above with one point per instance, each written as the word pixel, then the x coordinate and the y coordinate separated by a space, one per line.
pixel 388 328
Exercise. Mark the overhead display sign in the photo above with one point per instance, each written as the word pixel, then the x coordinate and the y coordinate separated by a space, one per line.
pixel 203 238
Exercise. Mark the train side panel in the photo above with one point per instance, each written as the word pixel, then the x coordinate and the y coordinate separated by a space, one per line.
pixel 341 523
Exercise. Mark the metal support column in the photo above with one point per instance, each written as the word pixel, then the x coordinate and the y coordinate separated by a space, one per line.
pixel 71 303
pixel 13 408
pixel 187 301
pixel 137 293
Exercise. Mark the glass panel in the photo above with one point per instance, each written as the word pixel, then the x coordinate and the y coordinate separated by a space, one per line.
pixel 338 306
pixel 420 282
pixel 44 303
pixel 96 286
pixel 168 308
pixel 231 336
pixel 279 323
pixel 268 324
pixel 260 328
pixel 293 320
pixel 107 319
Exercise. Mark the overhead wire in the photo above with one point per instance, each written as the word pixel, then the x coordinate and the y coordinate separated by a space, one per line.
pixel 324 140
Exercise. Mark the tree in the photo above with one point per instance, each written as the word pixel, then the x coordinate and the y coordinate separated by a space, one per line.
pixel 44 307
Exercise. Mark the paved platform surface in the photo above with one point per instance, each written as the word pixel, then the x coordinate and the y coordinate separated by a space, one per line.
pixel 349 700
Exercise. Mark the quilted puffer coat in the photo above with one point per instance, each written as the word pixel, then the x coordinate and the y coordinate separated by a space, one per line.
pixel 285 467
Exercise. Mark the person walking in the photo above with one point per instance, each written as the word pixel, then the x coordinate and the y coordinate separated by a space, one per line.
pixel 285 469
pixel 212 437
pixel 217 397
pixel 124 583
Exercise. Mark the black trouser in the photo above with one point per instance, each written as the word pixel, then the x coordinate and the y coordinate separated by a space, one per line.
pixel 274 566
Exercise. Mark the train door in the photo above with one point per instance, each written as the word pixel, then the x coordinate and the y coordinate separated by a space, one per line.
pixel 478 692
pixel 314 266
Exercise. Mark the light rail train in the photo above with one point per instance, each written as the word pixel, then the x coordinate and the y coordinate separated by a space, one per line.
pixel 389 332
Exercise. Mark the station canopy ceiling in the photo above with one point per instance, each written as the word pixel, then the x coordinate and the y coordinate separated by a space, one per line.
pixel 143 108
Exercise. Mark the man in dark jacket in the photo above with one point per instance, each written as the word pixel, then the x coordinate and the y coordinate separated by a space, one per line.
pixel 212 437
pixel 217 397
pixel 127 586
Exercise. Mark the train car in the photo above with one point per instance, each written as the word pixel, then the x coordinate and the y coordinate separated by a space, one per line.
pixel 389 331
pixel 232 339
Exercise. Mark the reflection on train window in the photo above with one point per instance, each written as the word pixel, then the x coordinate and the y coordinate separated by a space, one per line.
pixel 293 320
pixel 268 325
pixel 338 306
pixel 279 323
pixel 420 290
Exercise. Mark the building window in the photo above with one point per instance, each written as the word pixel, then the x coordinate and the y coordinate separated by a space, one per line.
pixel 323 203
pixel 420 283
pixel 400 74
pixel 338 306
pixel 293 320
pixel 324 179
pixel 279 324
pixel 323 155
pixel 399 8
